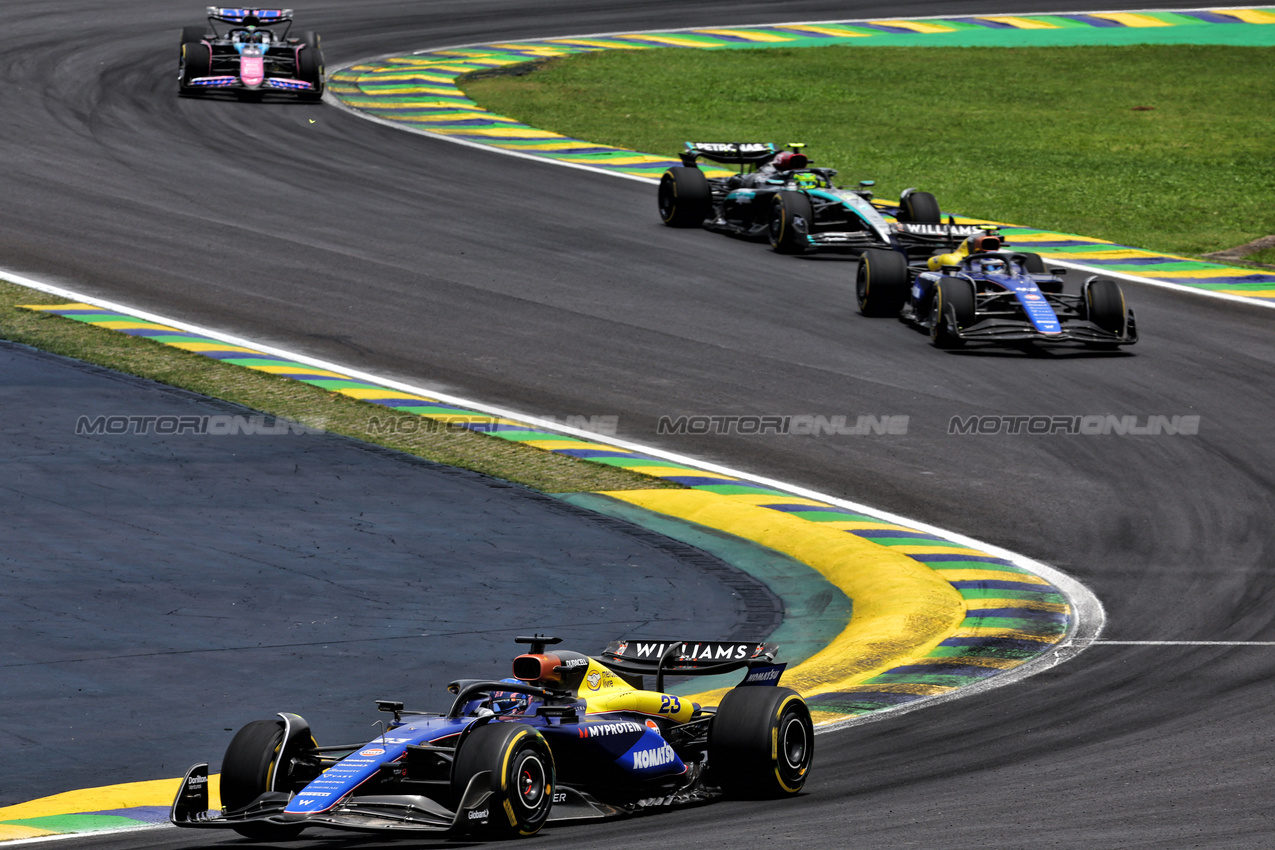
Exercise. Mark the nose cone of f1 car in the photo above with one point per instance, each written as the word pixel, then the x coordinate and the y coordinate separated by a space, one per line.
pixel 252 70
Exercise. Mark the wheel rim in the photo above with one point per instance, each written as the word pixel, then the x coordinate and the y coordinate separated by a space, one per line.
pixel 667 199
pixel 794 744
pixel 531 782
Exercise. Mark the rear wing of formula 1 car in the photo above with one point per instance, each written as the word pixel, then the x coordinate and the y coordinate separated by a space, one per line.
pixel 661 658
pixel 729 153
pixel 249 17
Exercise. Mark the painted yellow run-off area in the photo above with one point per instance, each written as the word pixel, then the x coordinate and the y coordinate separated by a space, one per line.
pixel 902 609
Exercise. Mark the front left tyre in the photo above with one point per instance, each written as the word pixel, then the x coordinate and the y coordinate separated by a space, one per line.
pixel 685 198
pixel 248 771
pixel 521 783
pixel 761 743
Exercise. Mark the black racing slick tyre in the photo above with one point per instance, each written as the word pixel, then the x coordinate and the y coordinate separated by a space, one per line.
pixel 952 310
pixel 1034 264
pixel 310 65
pixel 1105 305
pixel 685 198
pixel 521 784
pixel 196 61
pixel 881 283
pixel 791 219
pixel 247 772
pixel 761 743
pixel 195 33
pixel 921 208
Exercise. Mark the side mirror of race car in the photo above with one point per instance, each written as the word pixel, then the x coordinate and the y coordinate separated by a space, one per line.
pixel 1058 272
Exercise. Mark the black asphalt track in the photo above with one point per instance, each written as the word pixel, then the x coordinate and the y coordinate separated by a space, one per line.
pixel 556 292
pixel 162 590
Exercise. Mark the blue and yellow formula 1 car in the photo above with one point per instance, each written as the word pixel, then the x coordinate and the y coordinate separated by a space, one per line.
pixel 778 196
pixel 249 54
pixel 982 292
pixel 569 737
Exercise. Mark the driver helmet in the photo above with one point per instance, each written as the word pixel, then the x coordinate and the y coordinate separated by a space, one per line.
pixel 509 702
pixel 994 266
pixel 789 161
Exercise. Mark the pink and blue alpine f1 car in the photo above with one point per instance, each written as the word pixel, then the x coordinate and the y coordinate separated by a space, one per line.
pixel 249 52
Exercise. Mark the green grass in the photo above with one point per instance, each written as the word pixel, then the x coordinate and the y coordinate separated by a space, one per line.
pixel 1168 147
pixel 303 403
pixel 1266 257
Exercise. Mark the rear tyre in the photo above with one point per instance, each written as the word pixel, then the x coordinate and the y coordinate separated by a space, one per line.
pixel 1033 264
pixel 247 772
pixel 952 309
pixel 761 743
pixel 921 208
pixel 196 61
pixel 685 198
pixel 310 65
pixel 881 283
pixel 522 778
pixel 791 219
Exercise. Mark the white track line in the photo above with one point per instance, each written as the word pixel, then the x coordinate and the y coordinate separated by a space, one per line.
pixel 1182 643
pixel 61 836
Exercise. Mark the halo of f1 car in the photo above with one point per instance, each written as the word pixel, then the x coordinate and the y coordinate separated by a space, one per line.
pixel 978 291
pixel 778 196
pixel 253 54
pixel 569 737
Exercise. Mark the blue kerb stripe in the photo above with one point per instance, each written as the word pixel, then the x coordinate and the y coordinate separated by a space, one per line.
pixel 1017 614
pixel 997 584
pixel 975 671
pixel 982 559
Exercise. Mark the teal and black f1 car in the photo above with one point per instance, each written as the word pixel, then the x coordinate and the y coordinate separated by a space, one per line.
pixel 778 196
pixel 568 737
